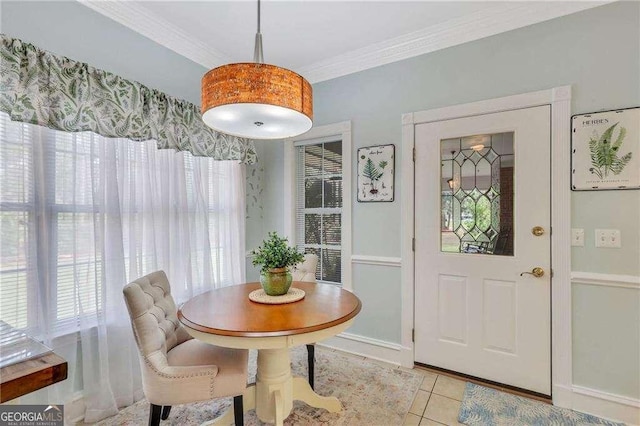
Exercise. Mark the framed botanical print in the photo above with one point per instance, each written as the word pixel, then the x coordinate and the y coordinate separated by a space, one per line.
pixel 376 168
pixel 605 150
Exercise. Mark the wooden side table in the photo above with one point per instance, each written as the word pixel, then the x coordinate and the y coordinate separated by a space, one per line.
pixel 27 365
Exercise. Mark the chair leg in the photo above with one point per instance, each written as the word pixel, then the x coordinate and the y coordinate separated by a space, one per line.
pixel 154 414
pixel 311 349
pixel 238 411
pixel 165 412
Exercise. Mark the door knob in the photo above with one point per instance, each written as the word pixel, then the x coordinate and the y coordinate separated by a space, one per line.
pixel 536 272
pixel 537 231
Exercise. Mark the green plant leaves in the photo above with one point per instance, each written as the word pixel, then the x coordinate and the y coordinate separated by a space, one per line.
pixel 275 252
pixel 57 92
pixel 604 154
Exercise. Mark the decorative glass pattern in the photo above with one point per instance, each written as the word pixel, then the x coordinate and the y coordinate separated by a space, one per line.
pixel 475 200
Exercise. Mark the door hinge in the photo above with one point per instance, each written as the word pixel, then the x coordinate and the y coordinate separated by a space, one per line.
pixel 413 335
pixel 414 155
pixel 551 272
pixel 413 244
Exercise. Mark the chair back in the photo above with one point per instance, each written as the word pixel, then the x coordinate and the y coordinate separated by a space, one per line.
pixel 154 315
pixel 306 270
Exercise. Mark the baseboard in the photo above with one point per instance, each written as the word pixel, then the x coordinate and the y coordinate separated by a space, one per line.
pixel 380 350
pixel 562 396
pixel 606 405
pixel 74 411
pixel 598 403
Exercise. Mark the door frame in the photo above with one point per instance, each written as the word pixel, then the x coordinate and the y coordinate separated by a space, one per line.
pixel 559 98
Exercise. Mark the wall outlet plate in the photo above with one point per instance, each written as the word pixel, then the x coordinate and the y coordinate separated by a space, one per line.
pixel 608 238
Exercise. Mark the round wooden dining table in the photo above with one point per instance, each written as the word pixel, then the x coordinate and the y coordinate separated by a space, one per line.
pixel 226 317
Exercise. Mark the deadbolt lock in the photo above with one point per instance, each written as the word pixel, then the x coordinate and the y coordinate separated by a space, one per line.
pixel 536 272
pixel 537 231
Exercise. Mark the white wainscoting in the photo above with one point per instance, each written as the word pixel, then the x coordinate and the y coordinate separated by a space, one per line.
pixel 593 401
pixel 607 405
pixel 359 259
pixel 605 280
pixel 391 352
pixel 602 404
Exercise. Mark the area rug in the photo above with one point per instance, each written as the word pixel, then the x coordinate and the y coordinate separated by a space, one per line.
pixel 482 406
pixel 370 393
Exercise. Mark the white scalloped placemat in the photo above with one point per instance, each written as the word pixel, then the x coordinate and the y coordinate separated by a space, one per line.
pixel 293 295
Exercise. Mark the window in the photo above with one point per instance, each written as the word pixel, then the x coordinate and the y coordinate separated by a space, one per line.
pixel 319 212
pixel 80 213
pixel 17 219
pixel 320 199
pixel 70 159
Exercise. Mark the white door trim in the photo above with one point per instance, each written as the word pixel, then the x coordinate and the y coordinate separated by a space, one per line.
pixel 560 100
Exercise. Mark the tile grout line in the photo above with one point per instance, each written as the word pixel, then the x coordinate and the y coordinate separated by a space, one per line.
pixel 414 399
pixel 442 396
pixel 427 404
pixel 431 393
pixel 448 397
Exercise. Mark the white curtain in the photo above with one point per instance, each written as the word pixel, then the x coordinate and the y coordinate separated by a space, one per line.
pixel 81 216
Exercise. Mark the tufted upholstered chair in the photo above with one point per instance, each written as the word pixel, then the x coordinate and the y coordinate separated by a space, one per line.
pixel 306 271
pixel 177 369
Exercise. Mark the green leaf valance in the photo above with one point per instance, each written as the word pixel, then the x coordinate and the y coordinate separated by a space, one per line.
pixel 41 88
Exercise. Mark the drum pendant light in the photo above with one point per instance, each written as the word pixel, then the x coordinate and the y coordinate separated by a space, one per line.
pixel 257 100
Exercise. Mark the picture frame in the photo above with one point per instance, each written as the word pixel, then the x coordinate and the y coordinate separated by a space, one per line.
pixel 376 170
pixel 605 150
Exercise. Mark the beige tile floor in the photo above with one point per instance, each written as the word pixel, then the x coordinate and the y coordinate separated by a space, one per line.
pixel 438 400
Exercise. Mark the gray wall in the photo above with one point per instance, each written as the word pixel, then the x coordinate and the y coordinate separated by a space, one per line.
pixel 595 51
pixel 265 214
pixel 73 30
pixel 606 352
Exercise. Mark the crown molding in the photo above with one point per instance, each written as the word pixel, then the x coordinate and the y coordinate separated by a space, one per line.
pixel 489 21
pixel 484 23
pixel 140 19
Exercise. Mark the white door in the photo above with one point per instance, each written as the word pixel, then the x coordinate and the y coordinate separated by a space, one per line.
pixel 482 186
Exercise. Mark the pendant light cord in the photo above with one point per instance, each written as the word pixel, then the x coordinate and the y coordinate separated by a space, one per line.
pixel 257 51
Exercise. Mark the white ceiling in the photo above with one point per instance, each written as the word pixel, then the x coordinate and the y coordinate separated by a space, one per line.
pixel 324 39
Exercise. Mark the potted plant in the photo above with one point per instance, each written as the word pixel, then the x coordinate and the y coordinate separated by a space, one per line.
pixel 275 257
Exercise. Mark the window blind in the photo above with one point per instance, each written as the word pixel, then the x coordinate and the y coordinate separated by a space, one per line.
pixel 76 260
pixel 72 203
pixel 319 205
pixel 17 220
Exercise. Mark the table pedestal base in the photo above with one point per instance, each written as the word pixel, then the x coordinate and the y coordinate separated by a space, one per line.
pixel 275 390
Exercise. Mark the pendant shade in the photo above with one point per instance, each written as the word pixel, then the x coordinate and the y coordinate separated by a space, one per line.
pixel 256 101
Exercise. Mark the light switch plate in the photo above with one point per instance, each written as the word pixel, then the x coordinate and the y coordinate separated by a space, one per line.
pixel 608 238
pixel 577 237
